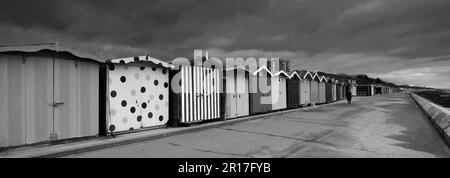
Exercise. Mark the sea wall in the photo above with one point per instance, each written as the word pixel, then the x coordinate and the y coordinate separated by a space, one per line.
pixel 439 116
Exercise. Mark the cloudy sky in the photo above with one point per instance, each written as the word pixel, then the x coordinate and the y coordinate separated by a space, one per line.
pixel 402 41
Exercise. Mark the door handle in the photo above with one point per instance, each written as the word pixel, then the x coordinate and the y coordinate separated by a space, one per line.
pixel 56 104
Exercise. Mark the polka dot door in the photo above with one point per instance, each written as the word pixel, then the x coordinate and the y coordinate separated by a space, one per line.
pixel 155 96
pixel 124 98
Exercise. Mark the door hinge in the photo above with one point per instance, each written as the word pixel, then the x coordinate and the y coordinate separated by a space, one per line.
pixel 53 136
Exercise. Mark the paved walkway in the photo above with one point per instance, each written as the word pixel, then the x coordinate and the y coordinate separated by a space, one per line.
pixel 378 126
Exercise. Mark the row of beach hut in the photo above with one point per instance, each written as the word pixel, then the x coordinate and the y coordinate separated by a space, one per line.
pixel 52 93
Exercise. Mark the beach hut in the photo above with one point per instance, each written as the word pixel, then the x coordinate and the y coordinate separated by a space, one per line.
pixel 236 88
pixel 305 86
pixel 196 96
pixel 322 89
pixel 338 90
pixel 138 93
pixel 365 90
pixel 48 92
pixel 293 90
pixel 260 91
pixel 279 94
pixel 334 89
pixel 329 90
pixel 314 88
pixel 353 87
pixel 378 90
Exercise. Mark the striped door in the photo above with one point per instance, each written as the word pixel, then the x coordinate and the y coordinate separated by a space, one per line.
pixel 200 98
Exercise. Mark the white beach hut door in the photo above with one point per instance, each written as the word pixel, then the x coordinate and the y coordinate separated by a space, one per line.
pixel 275 91
pixel 279 93
pixel 242 99
pixel 283 93
pixel 154 99
pixel 65 98
pixel 39 94
pixel 124 99
pixel 231 99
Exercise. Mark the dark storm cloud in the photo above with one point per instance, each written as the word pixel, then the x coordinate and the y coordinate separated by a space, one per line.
pixel 368 35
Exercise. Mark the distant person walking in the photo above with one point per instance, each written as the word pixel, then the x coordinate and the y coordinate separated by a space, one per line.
pixel 348 95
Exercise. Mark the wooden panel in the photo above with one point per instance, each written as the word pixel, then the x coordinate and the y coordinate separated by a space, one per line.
pixel 300 97
pixel 322 92
pixel 305 92
pixel 283 93
pixel 39 96
pixel 293 92
pixel 230 101
pixel 328 96
pixel 65 91
pixel 191 96
pixel 338 92
pixel 88 104
pixel 261 100
pixel 333 92
pixel 209 105
pixel 266 98
pixel 255 96
pixel 314 91
pixel 4 119
pixel 242 94
pixel 277 99
pixel 196 84
pixel 183 94
pixel 12 108
pixel 217 90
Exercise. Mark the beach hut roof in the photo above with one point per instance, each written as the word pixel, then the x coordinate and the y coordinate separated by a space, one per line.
pixel 321 78
pixel 263 68
pixel 53 47
pixel 282 72
pixel 295 74
pixel 315 76
pixel 140 60
pixel 304 73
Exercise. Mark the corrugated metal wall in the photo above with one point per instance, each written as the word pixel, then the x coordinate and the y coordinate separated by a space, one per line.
pixel 47 98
